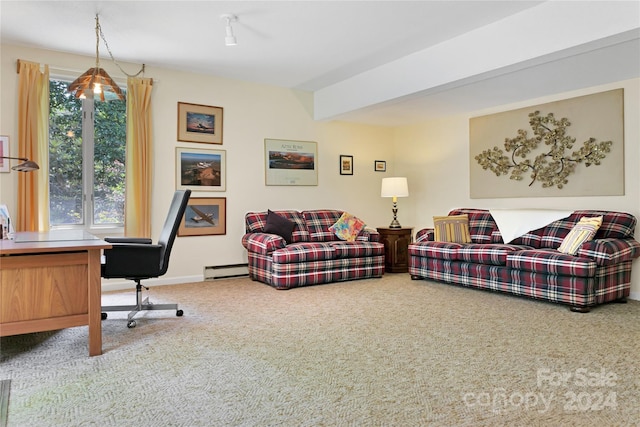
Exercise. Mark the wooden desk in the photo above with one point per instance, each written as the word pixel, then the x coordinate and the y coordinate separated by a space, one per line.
pixel 48 282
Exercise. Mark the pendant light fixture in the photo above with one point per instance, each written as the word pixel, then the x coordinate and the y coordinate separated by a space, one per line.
pixel 96 79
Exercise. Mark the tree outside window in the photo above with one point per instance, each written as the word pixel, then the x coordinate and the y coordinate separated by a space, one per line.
pixel 87 141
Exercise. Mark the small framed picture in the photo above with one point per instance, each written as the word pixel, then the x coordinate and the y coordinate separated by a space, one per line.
pixel 380 166
pixel 201 170
pixel 199 123
pixel 4 152
pixel 204 216
pixel 346 165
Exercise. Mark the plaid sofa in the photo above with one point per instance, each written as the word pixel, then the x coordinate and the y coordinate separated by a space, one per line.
pixel 530 265
pixel 315 254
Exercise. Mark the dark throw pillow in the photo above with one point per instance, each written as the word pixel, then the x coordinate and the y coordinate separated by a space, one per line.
pixel 277 224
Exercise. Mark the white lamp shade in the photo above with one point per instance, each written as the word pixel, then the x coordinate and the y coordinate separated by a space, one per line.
pixel 394 187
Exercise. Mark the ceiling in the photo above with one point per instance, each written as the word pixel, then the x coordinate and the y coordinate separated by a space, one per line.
pixel 306 45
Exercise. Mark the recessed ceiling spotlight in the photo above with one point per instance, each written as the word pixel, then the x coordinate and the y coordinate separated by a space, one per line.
pixel 229 39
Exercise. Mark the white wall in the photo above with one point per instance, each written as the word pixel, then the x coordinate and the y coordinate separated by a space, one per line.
pixel 434 155
pixel 436 162
pixel 252 113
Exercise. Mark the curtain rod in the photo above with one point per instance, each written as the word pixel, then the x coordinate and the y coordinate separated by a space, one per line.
pixel 54 69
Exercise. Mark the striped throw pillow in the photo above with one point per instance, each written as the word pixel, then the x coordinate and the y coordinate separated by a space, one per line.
pixel 582 232
pixel 454 229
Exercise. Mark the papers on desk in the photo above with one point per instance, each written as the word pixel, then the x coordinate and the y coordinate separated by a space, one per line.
pixel 6 226
pixel 54 236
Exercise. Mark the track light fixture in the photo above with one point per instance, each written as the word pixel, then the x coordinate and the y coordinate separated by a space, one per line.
pixel 229 38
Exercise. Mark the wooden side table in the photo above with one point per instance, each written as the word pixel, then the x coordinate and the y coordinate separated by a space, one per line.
pixel 396 248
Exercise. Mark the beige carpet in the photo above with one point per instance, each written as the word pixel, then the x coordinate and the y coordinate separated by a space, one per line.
pixel 379 352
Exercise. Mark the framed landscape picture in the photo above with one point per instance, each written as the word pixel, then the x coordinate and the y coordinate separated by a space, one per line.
pixel 199 123
pixel 290 162
pixel 204 216
pixel 346 165
pixel 4 152
pixel 380 166
pixel 201 170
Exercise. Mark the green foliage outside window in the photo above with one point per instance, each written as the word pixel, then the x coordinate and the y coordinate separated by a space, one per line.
pixel 66 156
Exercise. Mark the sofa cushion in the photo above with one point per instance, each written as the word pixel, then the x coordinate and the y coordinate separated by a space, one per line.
pixel 582 232
pixel 495 254
pixel 551 262
pixel 256 221
pixel 277 224
pixel 615 225
pixel 318 223
pixel 481 224
pixel 347 227
pixel 552 235
pixel 357 249
pixel 531 239
pixel 439 250
pixel 304 252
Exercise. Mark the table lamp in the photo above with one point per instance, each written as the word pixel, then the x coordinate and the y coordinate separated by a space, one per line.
pixel 394 187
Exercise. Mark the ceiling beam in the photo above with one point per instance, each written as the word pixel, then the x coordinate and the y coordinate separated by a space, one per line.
pixel 550 31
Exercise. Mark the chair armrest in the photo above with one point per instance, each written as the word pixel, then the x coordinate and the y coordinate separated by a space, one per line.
pixel 131 260
pixel 119 239
pixel 368 235
pixel 263 243
pixel 610 251
pixel 424 235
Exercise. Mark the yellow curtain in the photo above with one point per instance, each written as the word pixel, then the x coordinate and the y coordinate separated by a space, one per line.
pixel 139 159
pixel 33 143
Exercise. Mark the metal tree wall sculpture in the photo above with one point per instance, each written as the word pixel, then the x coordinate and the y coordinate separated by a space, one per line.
pixel 552 167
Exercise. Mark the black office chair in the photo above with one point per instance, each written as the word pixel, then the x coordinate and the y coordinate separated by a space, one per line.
pixel 135 258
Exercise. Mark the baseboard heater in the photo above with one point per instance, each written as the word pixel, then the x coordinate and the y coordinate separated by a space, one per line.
pixel 215 272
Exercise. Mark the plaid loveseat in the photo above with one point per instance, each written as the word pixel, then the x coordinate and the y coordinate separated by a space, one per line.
pixel 531 265
pixel 315 255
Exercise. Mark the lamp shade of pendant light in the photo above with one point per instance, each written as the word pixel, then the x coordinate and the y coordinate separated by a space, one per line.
pixel 95 79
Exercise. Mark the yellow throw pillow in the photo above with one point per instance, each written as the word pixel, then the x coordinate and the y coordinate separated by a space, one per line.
pixel 582 232
pixel 454 228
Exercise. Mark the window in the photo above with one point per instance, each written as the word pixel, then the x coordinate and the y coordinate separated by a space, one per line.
pixel 86 160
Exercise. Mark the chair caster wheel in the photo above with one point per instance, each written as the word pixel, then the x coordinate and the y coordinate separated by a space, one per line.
pixel 131 324
pixel 103 316
pixel 179 313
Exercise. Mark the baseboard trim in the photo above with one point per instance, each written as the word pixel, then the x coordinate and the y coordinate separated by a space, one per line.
pixel 121 285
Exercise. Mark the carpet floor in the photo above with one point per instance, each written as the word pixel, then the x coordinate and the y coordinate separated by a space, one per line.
pixel 378 352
